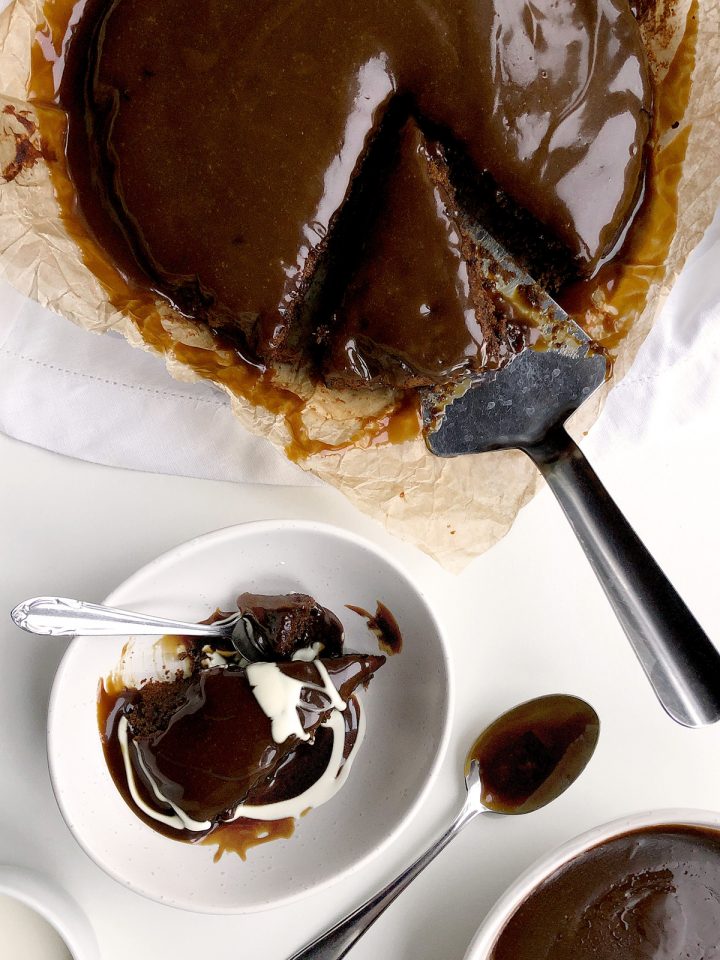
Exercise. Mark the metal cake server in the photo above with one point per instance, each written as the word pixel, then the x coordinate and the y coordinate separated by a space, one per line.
pixel 524 406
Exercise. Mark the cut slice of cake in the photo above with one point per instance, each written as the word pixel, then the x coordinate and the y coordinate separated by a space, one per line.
pixel 229 732
pixel 414 310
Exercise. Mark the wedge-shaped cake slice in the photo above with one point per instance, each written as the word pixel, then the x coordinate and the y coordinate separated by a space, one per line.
pixel 414 311
pixel 231 730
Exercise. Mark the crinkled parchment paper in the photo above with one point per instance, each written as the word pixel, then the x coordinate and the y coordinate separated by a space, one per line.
pixel 453 509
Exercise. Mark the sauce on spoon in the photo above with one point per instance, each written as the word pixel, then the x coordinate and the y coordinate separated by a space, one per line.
pixel 532 753
pixel 525 759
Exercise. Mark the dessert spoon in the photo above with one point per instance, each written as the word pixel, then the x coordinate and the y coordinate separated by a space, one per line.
pixel 524 760
pixel 61 617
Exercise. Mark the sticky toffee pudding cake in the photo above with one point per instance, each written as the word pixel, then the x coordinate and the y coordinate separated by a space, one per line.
pixel 245 749
pixel 298 176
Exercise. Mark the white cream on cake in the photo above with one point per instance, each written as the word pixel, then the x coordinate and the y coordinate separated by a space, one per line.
pixel 279 698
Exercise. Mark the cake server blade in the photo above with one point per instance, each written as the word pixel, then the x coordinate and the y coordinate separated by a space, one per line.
pixel 525 405
pixel 517 404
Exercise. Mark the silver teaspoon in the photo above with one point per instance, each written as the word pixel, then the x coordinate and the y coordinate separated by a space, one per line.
pixel 61 617
pixel 524 760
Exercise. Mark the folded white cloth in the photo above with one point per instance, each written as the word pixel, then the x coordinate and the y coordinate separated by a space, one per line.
pixel 674 384
pixel 96 398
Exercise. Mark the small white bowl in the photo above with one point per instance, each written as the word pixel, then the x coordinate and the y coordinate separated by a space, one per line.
pixel 54 906
pixel 407 706
pixel 486 937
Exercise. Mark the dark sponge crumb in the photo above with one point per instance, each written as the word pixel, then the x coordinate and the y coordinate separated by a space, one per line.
pixel 152 706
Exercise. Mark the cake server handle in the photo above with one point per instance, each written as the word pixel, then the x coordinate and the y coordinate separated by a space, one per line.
pixel 681 663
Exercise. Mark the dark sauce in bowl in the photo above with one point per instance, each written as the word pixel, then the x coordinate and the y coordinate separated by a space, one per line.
pixel 649 894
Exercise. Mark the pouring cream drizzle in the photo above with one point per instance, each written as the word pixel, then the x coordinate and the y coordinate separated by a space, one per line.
pixel 278 697
pixel 179 819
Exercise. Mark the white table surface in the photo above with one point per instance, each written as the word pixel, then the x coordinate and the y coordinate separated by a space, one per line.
pixel 526 618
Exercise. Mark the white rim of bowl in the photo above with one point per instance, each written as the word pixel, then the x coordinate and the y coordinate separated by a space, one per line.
pixel 215 536
pixel 503 909
pixel 54 905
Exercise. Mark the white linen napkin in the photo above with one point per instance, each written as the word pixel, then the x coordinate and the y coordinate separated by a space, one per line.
pixel 98 399
pixel 674 383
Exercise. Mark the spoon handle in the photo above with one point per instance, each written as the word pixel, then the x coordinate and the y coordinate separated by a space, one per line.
pixel 60 617
pixel 335 942
pixel 680 661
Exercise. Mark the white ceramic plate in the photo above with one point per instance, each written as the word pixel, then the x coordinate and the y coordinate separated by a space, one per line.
pixel 486 937
pixel 407 707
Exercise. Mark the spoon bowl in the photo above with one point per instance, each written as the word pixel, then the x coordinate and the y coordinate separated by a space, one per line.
pixel 524 760
pixel 530 755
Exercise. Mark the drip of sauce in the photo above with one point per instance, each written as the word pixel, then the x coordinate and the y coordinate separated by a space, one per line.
pixel 220 361
pixel 530 755
pixel 241 836
pixel 650 894
pixel 385 627
pixel 608 305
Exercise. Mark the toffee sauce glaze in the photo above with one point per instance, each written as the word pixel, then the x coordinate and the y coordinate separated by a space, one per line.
pixel 620 288
pixel 185 750
pixel 300 767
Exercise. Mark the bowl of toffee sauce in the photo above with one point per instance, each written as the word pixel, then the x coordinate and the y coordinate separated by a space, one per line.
pixel 644 887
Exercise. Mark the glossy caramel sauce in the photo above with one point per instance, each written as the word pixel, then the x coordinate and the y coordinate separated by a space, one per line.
pixel 385 627
pixel 412 310
pixel 650 894
pixel 222 361
pixel 215 749
pixel 608 305
pixel 199 742
pixel 530 755
pixel 237 837
pixel 242 835
pixel 213 158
